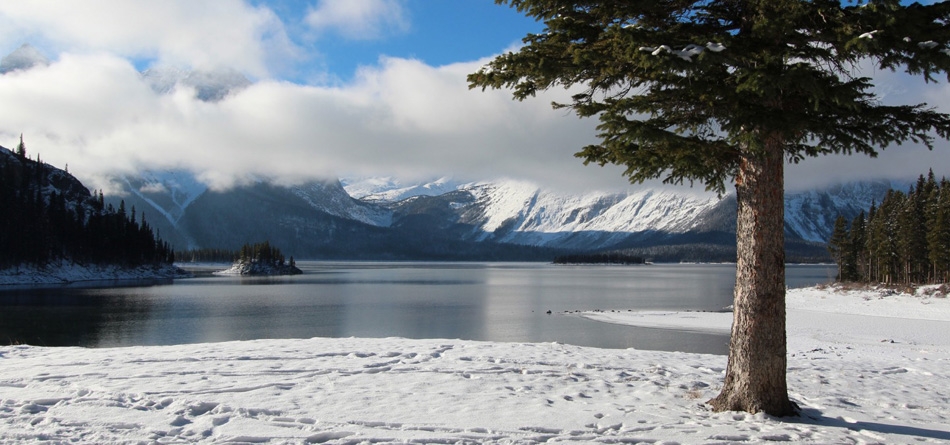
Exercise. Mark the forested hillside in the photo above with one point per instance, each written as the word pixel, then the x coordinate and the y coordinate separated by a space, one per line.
pixel 904 240
pixel 48 215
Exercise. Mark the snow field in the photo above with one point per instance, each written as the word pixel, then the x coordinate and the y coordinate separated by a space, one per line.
pixel 862 378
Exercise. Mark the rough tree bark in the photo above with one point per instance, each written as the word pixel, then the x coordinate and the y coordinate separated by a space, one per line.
pixel 755 373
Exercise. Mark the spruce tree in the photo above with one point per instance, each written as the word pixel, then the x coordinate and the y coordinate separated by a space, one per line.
pixel 839 246
pixel 938 236
pixel 727 91
pixel 21 148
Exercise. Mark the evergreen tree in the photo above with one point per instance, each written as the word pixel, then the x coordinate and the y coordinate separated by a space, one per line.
pixel 840 245
pixel 712 91
pixel 938 235
pixel 21 148
pixel 855 262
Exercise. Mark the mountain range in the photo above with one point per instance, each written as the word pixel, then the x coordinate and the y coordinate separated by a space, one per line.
pixel 383 218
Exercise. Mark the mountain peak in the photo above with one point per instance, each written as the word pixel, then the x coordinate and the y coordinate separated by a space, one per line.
pixel 210 85
pixel 23 58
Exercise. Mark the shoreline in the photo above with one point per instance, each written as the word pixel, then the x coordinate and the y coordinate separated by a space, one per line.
pixel 859 378
pixel 65 273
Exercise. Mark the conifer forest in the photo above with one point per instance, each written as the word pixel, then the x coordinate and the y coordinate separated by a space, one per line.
pixel 49 216
pixel 905 240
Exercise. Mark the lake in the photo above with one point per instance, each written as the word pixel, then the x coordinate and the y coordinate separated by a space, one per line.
pixel 507 302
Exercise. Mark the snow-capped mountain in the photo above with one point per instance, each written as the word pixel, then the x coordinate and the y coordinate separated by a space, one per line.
pixel 209 85
pixel 194 216
pixel 522 213
pixel 23 58
pixel 168 192
pixel 808 214
pixel 330 197
pixel 445 220
pixel 388 189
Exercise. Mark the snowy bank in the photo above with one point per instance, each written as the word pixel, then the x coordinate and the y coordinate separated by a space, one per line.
pixel 861 375
pixel 66 272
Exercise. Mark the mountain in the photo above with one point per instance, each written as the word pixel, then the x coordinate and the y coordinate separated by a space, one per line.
pixel 384 218
pixel 389 189
pixel 23 58
pixel 807 214
pixel 209 85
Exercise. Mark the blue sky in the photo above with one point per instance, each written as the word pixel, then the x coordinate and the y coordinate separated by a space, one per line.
pixel 340 88
pixel 436 32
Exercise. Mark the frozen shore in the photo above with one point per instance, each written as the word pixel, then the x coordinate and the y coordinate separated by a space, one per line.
pixel 66 272
pixel 866 367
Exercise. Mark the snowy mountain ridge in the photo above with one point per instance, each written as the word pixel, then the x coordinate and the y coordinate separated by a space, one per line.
pixel 385 215
pixel 209 85
pixel 330 197
pixel 389 189
pixel 522 213
pixel 168 192
pixel 807 215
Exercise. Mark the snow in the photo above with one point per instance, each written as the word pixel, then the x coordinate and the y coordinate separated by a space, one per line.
pixel 390 190
pixel 520 212
pixel 66 272
pixel 865 366
pixel 178 189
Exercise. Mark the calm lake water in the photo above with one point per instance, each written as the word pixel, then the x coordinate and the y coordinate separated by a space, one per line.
pixel 474 301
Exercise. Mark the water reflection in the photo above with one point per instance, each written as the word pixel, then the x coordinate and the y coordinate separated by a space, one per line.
pixel 493 302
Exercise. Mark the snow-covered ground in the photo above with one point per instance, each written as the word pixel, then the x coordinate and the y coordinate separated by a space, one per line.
pixel 865 366
pixel 66 272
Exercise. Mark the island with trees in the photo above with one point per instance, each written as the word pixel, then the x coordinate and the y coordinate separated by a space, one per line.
pixel 261 259
pixel 608 258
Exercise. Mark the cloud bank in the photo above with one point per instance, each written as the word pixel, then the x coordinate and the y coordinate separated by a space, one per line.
pixel 91 109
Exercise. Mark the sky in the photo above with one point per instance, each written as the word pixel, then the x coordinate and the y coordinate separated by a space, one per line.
pixel 340 88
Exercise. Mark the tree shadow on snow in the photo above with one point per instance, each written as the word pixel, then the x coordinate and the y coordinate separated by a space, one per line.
pixel 813 416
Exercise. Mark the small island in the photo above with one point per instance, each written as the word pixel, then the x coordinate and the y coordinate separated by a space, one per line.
pixel 261 259
pixel 612 258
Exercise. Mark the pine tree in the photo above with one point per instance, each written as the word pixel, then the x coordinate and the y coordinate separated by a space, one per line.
pixel 21 148
pixel 714 91
pixel 938 236
pixel 855 261
pixel 840 245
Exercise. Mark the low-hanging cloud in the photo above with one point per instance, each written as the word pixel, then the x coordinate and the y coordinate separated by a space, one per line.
pixel 91 109
pixel 401 118
pixel 196 34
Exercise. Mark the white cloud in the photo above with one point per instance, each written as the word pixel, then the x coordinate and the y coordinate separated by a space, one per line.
pixel 403 118
pixel 92 110
pixel 359 19
pixel 199 34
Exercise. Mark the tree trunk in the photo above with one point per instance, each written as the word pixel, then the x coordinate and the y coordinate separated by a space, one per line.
pixel 755 373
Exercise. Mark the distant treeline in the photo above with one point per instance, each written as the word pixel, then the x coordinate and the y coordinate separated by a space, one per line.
pixel 207 256
pixel 41 225
pixel 905 240
pixel 599 258
pixel 263 253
